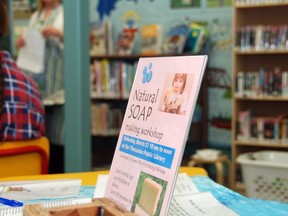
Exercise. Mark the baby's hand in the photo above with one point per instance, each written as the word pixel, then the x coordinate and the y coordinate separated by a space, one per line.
pixel 170 99
pixel 171 102
pixel 179 100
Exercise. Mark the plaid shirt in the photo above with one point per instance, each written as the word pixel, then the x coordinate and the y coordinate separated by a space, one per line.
pixel 23 115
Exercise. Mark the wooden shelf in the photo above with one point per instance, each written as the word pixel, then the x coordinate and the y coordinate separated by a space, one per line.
pixel 238 51
pixel 251 60
pixel 115 57
pixel 107 133
pixel 261 98
pixel 258 143
pixel 127 57
pixel 260 5
pixel 108 98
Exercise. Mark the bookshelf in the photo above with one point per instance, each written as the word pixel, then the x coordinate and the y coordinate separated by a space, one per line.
pixel 113 97
pixel 260 52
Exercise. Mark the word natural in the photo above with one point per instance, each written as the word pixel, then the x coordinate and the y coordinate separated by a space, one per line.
pixel 142 112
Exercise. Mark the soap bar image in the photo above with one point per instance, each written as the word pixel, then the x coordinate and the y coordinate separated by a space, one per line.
pixel 149 195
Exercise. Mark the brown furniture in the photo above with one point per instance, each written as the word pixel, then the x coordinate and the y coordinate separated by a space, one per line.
pixel 219 164
pixel 248 19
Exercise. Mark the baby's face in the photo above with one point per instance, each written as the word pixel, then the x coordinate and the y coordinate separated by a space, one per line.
pixel 178 85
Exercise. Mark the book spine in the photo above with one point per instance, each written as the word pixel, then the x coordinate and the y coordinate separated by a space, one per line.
pixel 254 128
pixel 276 130
pixel 285 83
pixel 261 81
pixel 284 131
pixel 268 129
pixel 255 83
pixel 120 72
pixel 277 82
pixel 244 125
pixel 240 83
pixel 260 127
pixel 262 37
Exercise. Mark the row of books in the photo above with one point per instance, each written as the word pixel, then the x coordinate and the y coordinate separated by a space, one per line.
pixel 178 39
pixel 262 37
pixel 106 119
pixel 273 129
pixel 262 83
pixel 112 79
pixel 248 2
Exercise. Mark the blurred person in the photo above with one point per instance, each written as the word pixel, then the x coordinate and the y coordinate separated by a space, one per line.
pixel 48 19
pixel 22 114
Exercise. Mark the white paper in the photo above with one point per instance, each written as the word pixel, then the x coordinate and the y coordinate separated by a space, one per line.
pixel 31 56
pixel 184 185
pixel 198 204
pixel 40 189
pixel 100 186
pixel 18 211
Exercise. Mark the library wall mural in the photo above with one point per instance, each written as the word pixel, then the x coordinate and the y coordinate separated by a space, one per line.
pixel 184 3
pixel 212 18
pixel 104 8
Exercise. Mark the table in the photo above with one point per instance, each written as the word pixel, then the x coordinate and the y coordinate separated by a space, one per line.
pixel 90 178
pixel 238 203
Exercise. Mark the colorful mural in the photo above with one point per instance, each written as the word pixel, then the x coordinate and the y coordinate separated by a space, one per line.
pixel 104 8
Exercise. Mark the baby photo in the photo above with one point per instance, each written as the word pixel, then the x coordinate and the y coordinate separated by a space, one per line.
pixel 175 96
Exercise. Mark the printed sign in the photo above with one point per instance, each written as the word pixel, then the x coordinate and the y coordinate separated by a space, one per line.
pixel 154 133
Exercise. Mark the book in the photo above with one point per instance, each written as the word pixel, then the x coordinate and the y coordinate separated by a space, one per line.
pixel 151 39
pixel 284 83
pixel 175 39
pixel 244 125
pixel 111 79
pixel 261 37
pixel 98 39
pixel 126 41
pixel 196 38
pixel 154 132
pixel 100 36
pixel 262 83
